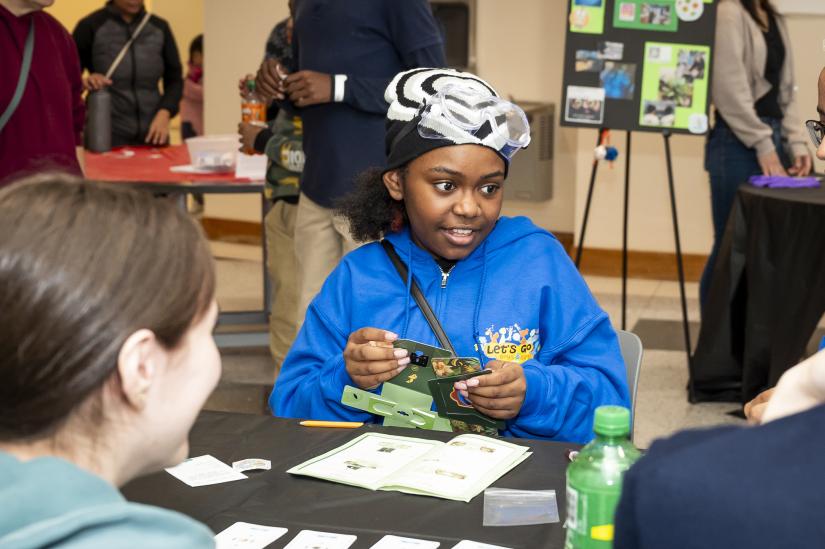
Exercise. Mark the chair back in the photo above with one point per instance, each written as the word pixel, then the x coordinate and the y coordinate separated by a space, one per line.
pixel 632 351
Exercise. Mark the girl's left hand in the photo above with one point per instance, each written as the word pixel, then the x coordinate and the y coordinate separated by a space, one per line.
pixel 498 395
pixel 801 166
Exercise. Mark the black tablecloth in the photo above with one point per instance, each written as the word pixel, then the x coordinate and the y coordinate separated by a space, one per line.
pixel 767 293
pixel 274 498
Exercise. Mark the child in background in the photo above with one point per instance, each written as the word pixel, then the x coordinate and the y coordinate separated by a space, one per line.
pixel 504 290
pixel 191 106
pixel 105 361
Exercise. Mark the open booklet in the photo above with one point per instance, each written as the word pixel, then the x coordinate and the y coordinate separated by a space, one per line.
pixel 459 469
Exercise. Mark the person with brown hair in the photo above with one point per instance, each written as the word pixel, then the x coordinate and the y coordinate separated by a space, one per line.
pixel 106 356
pixel 757 129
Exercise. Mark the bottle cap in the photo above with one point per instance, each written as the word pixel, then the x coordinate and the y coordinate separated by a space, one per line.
pixel 250 85
pixel 612 421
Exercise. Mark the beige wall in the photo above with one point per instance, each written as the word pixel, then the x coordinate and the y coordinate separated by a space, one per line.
pixel 520 44
pixel 234 37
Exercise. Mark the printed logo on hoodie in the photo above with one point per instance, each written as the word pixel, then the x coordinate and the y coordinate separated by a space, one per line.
pixel 510 343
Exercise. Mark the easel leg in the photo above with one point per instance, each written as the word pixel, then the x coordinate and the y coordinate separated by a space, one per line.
pixel 587 204
pixel 624 231
pixel 680 266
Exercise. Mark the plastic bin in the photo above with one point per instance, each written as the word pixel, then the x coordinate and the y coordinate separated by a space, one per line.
pixel 213 152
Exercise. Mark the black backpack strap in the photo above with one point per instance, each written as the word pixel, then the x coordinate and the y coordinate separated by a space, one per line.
pixel 419 298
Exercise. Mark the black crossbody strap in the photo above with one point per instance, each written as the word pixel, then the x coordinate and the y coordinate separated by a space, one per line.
pixel 419 298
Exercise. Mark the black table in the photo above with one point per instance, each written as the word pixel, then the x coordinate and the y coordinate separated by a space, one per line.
pixel 767 293
pixel 274 498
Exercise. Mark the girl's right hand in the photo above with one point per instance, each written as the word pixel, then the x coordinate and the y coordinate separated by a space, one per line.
pixel 96 81
pixel 370 358
pixel 771 165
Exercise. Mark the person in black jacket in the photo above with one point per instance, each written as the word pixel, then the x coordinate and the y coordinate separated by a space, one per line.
pixel 140 113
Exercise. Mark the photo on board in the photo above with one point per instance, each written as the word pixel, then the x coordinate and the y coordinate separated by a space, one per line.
pixel 584 105
pixel 674 88
pixel 612 51
pixel 691 65
pixel 588 61
pixel 627 11
pixel 659 113
pixel 618 80
pixel 656 14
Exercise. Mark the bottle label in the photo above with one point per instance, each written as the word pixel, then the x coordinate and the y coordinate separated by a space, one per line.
pixel 590 518
pixel 253 112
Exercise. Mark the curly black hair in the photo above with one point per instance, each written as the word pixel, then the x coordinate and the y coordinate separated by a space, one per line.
pixel 370 209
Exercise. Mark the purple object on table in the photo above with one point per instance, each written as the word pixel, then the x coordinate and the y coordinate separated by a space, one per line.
pixel 783 181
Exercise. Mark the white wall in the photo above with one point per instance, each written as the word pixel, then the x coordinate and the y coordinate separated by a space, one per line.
pixel 520 45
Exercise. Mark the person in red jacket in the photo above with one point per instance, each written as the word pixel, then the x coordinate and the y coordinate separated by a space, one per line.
pixel 45 130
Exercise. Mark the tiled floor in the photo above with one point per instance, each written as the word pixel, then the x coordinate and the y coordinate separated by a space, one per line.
pixel 653 312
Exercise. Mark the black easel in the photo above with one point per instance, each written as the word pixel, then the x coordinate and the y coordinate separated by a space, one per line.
pixel 666 134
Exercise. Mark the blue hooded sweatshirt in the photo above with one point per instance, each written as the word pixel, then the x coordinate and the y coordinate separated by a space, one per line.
pixel 517 297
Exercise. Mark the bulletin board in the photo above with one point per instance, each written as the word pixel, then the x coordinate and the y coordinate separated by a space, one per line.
pixel 638 65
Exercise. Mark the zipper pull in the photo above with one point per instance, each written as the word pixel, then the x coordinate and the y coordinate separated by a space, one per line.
pixel 444 276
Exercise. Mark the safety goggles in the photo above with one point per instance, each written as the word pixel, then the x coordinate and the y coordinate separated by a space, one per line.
pixel 466 109
pixel 817 131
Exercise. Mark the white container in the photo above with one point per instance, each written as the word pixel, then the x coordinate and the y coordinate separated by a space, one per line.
pixel 213 152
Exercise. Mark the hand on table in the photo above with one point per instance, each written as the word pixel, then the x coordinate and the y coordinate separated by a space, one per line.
pixel 370 358
pixel 96 81
pixel 498 395
pixel 756 407
pixel 801 166
pixel 306 88
pixel 158 133
pixel 269 81
pixel 770 164
pixel 249 132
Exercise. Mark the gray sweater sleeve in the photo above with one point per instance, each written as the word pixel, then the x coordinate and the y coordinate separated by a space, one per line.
pixel 731 89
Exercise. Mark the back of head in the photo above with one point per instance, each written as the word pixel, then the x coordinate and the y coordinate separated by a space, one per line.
pixel 82 266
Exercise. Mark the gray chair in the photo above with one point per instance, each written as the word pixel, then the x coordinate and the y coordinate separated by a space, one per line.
pixel 632 352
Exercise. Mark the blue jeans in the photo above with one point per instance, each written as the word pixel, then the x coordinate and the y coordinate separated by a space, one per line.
pixel 729 163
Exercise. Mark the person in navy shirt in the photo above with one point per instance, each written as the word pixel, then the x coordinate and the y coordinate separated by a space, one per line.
pixel 346 53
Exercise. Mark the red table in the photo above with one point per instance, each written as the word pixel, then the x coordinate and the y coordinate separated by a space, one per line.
pixel 149 168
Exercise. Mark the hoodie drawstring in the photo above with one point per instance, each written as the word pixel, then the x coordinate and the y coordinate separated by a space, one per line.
pixel 479 299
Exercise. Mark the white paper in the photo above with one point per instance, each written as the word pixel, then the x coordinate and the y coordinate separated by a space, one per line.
pixel 310 539
pixel 369 459
pixel 250 166
pixel 244 535
pixel 189 168
pixel 395 542
pixel 252 464
pixel 204 470
pixel 467 544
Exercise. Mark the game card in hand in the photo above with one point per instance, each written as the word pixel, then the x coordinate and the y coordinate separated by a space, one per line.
pixel 419 371
pixel 451 404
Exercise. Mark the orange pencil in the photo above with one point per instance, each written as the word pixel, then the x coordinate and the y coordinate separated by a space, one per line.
pixel 333 424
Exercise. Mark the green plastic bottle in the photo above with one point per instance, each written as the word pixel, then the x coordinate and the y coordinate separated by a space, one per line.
pixel 594 480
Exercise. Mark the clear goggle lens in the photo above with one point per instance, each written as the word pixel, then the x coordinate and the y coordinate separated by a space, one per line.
pixel 817 131
pixel 469 110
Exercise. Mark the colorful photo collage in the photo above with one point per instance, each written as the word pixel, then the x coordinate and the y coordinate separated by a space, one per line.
pixel 587 16
pixel 617 80
pixel 675 86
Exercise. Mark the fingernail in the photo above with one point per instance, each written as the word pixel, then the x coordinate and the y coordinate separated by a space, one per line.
pixel 400 353
pixel 460 385
pixel 390 336
pixel 465 394
pixel 472 382
pixel 399 369
pixel 404 361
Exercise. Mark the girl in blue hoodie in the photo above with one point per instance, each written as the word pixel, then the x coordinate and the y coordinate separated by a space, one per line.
pixel 504 289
